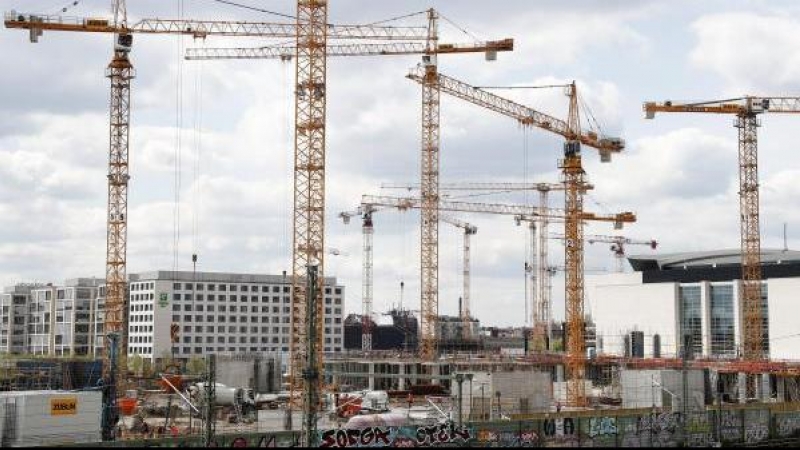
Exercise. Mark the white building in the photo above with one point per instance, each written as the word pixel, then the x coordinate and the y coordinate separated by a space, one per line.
pixel 14 318
pixel 220 313
pixel 60 318
pixel 695 294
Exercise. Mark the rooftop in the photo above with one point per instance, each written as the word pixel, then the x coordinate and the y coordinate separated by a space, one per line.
pixel 715 258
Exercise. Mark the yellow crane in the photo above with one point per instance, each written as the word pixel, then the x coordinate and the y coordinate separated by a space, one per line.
pixel 310 143
pixel 746 110
pixel 311 31
pixel 572 177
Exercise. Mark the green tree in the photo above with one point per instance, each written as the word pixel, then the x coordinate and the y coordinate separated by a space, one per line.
pixel 196 366
pixel 135 364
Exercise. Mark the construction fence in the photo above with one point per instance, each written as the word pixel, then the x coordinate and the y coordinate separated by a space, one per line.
pixel 730 426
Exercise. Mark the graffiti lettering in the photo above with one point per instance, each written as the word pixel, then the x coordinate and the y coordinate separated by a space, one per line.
pixel 756 434
pixel 527 438
pixel 355 438
pixel 602 426
pixel 395 437
pixel 559 427
pixel 442 434
pixel 787 425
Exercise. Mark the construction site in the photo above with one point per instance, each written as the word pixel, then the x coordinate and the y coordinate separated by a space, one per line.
pixel 673 346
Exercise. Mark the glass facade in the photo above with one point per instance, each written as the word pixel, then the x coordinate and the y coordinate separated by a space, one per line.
pixel 691 318
pixel 723 338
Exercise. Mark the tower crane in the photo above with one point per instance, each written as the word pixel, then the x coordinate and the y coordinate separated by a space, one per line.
pixel 746 110
pixel 404 203
pixel 538 295
pixel 572 177
pixel 310 55
pixel 312 32
pixel 368 231
pixel 618 244
pixel 466 302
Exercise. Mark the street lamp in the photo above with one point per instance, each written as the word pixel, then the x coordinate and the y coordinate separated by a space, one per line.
pixel 499 410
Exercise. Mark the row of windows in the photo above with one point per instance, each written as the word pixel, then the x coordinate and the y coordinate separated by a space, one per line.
pixel 243 329
pixel 142 318
pixel 199 350
pixel 141 339
pixel 234 308
pixel 243 298
pixel 137 297
pixel 142 286
pixel 145 307
pixel 141 328
pixel 242 288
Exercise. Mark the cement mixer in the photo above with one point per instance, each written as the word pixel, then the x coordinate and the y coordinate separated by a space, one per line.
pixel 224 395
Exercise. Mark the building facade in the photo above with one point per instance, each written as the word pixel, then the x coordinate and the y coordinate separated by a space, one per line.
pixel 215 313
pixel 220 313
pixel 692 302
pixel 14 318
pixel 60 318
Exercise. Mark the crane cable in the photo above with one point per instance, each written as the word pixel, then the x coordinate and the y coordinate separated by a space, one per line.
pixel 198 149
pixel 253 8
pixel 176 209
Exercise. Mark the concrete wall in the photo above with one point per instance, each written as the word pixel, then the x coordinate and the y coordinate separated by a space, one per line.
pixel 30 421
pixel 619 303
pixel 662 389
pixel 784 294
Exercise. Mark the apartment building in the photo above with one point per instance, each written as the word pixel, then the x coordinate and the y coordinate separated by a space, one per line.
pixel 60 318
pixel 14 302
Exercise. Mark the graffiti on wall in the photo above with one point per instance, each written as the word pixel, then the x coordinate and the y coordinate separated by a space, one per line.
pixel 656 430
pixel 730 426
pixel 523 437
pixel 602 426
pixel 698 430
pixel 560 431
pixel 756 425
pixel 787 425
pixel 423 436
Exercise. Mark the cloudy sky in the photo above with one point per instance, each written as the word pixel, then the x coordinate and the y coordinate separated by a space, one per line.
pixel 212 142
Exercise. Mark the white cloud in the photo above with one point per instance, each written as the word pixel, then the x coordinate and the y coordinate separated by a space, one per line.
pixel 752 52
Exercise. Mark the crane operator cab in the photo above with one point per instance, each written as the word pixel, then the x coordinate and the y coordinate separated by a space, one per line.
pixel 124 43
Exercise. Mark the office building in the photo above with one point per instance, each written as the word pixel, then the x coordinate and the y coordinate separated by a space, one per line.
pixel 695 298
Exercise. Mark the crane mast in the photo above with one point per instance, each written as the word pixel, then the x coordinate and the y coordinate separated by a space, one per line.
pixel 543 278
pixel 366 304
pixel 753 339
pixel 309 183
pixel 429 194
pixel 573 178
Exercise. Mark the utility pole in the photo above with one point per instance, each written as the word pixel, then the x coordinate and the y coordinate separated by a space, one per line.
pixel 460 381
pixel 311 373
pixel 110 414
pixel 194 309
pixel 211 398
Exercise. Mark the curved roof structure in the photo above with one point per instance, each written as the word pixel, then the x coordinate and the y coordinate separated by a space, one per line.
pixel 717 258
